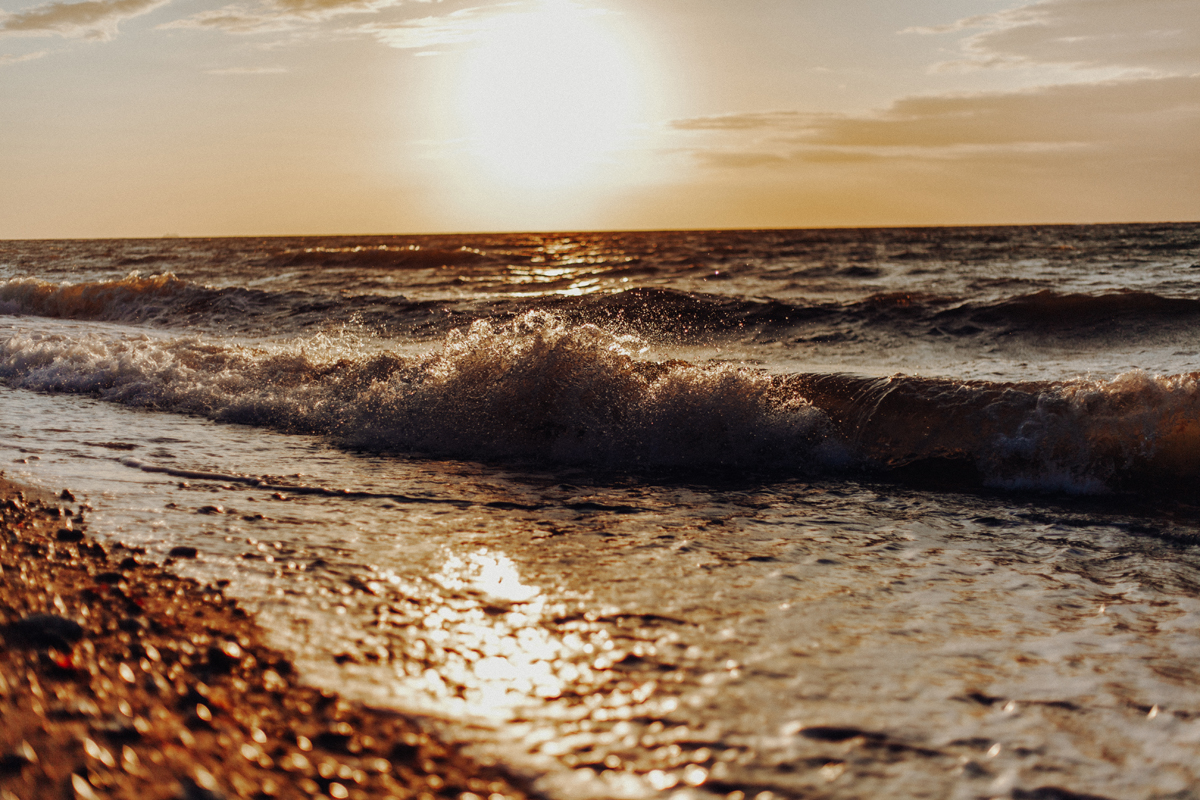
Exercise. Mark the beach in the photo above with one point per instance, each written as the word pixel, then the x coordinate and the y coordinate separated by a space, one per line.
pixel 119 678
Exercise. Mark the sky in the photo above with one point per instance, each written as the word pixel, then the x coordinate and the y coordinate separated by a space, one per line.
pixel 127 118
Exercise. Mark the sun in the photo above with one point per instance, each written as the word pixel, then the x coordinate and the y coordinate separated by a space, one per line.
pixel 548 94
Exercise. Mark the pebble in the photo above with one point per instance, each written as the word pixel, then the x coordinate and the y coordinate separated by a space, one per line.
pixel 44 630
pixel 224 657
pixel 182 551
pixel 82 789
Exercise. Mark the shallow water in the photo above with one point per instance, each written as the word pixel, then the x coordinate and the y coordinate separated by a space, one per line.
pixel 767 607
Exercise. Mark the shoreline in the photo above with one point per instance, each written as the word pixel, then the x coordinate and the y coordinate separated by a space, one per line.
pixel 119 678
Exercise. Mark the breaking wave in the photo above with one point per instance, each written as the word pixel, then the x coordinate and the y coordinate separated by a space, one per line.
pixel 542 389
pixel 536 389
pixel 1135 431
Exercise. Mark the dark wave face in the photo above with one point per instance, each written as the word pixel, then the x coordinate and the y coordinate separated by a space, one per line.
pixel 166 300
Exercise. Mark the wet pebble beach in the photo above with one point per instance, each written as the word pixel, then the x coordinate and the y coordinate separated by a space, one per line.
pixel 120 679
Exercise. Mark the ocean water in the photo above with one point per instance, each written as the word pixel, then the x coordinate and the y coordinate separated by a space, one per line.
pixel 821 514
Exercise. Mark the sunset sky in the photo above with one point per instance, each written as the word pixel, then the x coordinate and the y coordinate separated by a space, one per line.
pixel 208 117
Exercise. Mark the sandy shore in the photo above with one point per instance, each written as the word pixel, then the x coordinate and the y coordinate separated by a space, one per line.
pixel 120 679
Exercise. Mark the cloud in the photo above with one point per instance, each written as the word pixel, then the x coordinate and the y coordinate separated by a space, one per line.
pixel 1114 137
pixel 1067 113
pixel 456 28
pixel 321 9
pixel 14 59
pixel 93 19
pixel 277 15
pixel 1162 36
pixel 233 19
pixel 421 33
pixel 758 120
pixel 1148 115
pixel 247 71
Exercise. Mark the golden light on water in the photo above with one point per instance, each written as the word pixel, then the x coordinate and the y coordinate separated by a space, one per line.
pixel 547 95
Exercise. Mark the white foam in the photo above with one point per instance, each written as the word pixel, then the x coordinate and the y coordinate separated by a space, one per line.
pixel 534 389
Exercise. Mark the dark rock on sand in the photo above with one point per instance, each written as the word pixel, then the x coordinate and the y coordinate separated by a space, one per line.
pixel 44 631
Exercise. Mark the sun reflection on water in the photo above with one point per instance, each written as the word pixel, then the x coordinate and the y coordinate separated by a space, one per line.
pixel 593 690
pixel 488 574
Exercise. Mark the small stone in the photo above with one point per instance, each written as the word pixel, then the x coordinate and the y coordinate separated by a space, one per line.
pixel 66 495
pixel 182 551
pixel 404 753
pixel 210 510
pixel 224 657
pixel 92 550
pixel 82 789
pixel 332 741
pixel 44 630
pixel 12 763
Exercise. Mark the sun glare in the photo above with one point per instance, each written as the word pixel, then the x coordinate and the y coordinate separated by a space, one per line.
pixel 548 94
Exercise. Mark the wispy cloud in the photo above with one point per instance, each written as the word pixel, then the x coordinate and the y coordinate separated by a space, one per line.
pixel 246 71
pixel 1155 35
pixel 449 29
pixel 234 19
pixel 413 33
pixel 755 120
pixel 93 19
pixel 1153 106
pixel 1094 117
pixel 15 59
pixel 276 15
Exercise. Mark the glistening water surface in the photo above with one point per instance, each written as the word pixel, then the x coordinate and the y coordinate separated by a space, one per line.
pixel 637 514
pixel 621 637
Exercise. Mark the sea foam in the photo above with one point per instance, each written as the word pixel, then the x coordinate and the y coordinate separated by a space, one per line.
pixel 534 389
pixel 540 389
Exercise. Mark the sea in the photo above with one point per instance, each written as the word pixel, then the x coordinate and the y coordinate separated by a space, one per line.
pixel 905 512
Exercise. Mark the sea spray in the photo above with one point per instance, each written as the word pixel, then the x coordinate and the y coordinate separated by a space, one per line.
pixel 535 389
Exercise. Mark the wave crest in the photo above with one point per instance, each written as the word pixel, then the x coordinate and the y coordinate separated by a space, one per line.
pixel 1135 431
pixel 542 389
pixel 535 389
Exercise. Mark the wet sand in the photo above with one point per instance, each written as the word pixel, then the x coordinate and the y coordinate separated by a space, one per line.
pixel 120 679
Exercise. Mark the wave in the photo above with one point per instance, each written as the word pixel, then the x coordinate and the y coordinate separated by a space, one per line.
pixel 380 257
pixel 537 389
pixel 160 298
pixel 168 301
pixel 542 389
pixel 1134 432
pixel 1048 310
